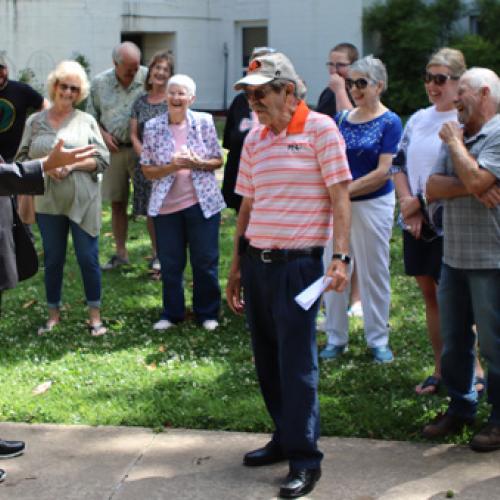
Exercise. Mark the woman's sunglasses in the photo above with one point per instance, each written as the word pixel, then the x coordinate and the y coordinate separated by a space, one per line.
pixel 72 88
pixel 360 83
pixel 438 78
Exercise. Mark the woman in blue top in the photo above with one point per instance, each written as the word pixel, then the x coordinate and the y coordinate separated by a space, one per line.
pixel 372 133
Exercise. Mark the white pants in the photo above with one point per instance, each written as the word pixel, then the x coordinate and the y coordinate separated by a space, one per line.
pixel 371 230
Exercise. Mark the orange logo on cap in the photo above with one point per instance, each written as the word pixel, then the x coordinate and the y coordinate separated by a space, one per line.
pixel 254 65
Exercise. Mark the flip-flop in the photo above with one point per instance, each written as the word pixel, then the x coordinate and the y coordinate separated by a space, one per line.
pixel 480 381
pixel 97 329
pixel 430 381
pixel 47 328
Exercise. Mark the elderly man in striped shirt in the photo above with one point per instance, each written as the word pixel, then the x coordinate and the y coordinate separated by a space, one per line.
pixel 293 177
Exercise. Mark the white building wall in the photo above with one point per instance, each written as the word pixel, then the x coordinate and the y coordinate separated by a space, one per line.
pixel 307 30
pixel 39 33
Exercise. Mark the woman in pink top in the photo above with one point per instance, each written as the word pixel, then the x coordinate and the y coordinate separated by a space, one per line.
pixel 180 153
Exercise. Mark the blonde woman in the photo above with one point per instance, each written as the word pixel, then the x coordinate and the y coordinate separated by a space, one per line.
pixel 72 200
pixel 418 152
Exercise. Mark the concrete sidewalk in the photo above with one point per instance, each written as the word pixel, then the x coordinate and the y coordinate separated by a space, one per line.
pixel 131 463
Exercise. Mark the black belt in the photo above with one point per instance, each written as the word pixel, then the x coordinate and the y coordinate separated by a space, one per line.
pixel 125 145
pixel 270 255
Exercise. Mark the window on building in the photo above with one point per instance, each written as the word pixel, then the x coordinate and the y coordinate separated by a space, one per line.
pixel 474 25
pixel 136 38
pixel 255 36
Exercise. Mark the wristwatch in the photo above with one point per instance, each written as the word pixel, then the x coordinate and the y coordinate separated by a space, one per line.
pixel 343 257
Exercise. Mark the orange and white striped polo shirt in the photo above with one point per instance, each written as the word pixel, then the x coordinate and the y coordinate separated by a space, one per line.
pixel 287 176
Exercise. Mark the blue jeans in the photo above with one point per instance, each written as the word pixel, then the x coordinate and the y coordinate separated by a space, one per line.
pixel 286 357
pixel 468 296
pixel 174 232
pixel 54 230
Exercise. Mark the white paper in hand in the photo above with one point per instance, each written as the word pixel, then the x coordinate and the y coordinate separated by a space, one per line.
pixel 310 295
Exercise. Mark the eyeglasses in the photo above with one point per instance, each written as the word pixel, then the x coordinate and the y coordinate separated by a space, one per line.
pixel 258 93
pixel 360 83
pixel 438 78
pixel 72 88
pixel 337 65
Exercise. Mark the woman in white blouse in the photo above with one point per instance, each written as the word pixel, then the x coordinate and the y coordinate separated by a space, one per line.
pixel 418 151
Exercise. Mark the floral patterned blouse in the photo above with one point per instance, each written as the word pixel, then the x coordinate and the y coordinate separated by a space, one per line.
pixel 158 149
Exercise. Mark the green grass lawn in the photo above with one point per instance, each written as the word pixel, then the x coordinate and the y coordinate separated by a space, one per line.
pixel 187 377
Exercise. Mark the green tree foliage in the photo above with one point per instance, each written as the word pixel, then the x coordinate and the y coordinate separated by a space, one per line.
pixel 483 49
pixel 407 33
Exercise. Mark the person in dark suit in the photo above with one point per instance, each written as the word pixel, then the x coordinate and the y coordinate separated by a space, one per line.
pixel 23 178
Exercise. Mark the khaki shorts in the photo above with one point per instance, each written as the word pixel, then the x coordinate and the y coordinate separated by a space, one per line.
pixel 116 179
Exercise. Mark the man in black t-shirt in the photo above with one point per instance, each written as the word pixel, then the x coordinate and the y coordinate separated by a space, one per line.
pixel 335 97
pixel 16 99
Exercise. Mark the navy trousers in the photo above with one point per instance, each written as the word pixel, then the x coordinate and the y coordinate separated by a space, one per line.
pixel 285 351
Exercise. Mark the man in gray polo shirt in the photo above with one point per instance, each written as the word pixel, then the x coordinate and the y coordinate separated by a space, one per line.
pixel 112 95
pixel 467 178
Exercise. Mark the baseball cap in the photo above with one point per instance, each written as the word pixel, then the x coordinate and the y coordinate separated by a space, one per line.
pixel 262 51
pixel 266 68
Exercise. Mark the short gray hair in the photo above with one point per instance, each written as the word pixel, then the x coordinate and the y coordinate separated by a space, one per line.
pixel 374 69
pixel 183 81
pixel 479 78
pixel 119 49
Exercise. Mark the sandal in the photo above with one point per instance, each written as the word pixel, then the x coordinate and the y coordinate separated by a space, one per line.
pixel 97 329
pixel 480 381
pixel 114 262
pixel 430 381
pixel 48 327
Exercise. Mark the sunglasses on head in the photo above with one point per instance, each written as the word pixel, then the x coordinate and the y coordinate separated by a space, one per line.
pixel 258 93
pixel 72 88
pixel 360 83
pixel 438 78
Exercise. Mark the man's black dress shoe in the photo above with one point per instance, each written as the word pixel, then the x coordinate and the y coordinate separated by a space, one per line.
pixel 9 449
pixel 299 482
pixel 270 454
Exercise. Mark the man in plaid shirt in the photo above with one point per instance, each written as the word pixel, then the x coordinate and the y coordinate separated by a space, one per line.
pixel 467 179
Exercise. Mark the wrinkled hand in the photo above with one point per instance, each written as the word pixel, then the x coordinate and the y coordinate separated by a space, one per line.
pixel 409 206
pixel 59 173
pixel 414 224
pixel 196 159
pixel 338 271
pixel 491 197
pixel 59 156
pixel 111 142
pixel 182 159
pixel 336 82
pixel 451 131
pixel 234 292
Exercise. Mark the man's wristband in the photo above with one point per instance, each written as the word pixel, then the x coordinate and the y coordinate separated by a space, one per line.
pixel 343 257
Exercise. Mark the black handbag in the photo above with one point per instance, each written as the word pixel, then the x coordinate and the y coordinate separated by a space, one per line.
pixel 26 256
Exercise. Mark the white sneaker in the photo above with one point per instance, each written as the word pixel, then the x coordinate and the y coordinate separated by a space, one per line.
pixel 155 265
pixel 163 324
pixel 210 324
pixel 355 311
